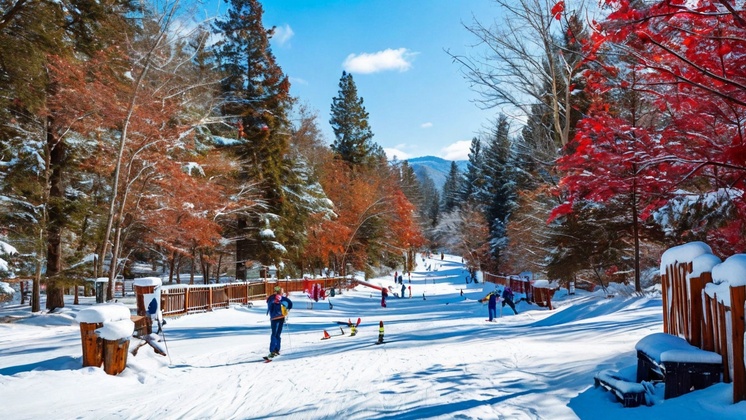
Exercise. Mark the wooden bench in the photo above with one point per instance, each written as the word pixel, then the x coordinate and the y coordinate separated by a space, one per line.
pixel 630 394
pixel 682 367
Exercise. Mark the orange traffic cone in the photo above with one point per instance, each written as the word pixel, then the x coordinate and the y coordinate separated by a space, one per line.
pixel 326 336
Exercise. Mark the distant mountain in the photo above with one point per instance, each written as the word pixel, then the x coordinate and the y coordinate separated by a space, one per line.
pixel 434 167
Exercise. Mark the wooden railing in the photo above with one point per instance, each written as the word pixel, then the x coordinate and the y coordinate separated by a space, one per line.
pixel 706 321
pixel 185 299
pixel 541 296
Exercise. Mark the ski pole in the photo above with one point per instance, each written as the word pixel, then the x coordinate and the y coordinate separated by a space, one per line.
pixel 290 341
pixel 165 343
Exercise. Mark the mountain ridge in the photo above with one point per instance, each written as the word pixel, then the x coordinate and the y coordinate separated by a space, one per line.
pixel 434 167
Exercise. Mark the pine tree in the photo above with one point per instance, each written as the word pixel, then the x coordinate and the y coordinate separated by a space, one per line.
pixel 498 194
pixel 353 138
pixel 70 32
pixel 474 181
pixel 452 188
pixel 256 97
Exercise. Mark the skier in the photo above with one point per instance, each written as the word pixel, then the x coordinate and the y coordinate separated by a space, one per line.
pixel 491 299
pixel 384 294
pixel 277 309
pixel 403 289
pixel 508 299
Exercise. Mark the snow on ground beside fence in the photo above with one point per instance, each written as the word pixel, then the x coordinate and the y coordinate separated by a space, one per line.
pixel 441 360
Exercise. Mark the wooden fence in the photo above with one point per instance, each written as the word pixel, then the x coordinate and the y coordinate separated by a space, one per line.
pixel 705 321
pixel 541 296
pixel 190 298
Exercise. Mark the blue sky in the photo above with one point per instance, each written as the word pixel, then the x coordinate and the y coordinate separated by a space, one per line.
pixel 418 101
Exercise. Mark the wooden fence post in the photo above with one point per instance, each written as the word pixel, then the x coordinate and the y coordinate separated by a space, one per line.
pixel 696 286
pixel 737 300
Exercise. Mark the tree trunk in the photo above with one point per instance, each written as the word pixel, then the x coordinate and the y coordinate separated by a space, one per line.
pixel 242 250
pixel 178 269
pixel 36 289
pixel 171 267
pixel 217 269
pixel 636 232
pixel 56 218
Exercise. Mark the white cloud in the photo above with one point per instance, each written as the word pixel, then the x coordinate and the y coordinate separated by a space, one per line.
pixel 399 59
pixel 298 81
pixel 426 125
pixel 456 151
pixel 283 34
pixel 392 153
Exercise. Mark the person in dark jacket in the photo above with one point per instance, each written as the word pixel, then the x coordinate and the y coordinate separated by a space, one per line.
pixel 277 309
pixel 508 299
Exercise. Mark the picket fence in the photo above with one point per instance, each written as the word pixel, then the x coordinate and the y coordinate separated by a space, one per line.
pixel 184 299
pixel 705 321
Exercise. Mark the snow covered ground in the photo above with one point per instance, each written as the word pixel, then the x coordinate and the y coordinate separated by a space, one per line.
pixel 441 359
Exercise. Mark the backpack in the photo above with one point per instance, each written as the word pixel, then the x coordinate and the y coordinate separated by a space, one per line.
pixel 284 308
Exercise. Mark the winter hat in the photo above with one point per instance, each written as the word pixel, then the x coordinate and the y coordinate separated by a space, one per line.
pixel 278 289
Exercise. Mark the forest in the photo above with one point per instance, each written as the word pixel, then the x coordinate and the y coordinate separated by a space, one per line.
pixel 128 135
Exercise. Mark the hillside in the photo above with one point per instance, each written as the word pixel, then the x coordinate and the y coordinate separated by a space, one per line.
pixel 434 167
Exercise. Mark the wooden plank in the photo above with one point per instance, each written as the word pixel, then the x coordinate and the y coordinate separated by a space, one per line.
pixel 664 295
pixel 723 342
pixel 696 289
pixel 737 300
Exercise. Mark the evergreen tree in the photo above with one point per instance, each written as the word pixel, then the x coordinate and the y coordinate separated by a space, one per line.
pixel 451 189
pixel 256 97
pixel 49 33
pixel 474 181
pixel 353 138
pixel 430 209
pixel 498 193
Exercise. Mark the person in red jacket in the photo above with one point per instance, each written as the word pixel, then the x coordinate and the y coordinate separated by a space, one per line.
pixel 277 309
pixel 384 295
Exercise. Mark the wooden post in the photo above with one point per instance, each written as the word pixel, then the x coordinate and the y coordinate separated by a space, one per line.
pixel 708 341
pixel 722 334
pixel 664 295
pixel 115 355
pixel 92 346
pixel 737 300
pixel 696 288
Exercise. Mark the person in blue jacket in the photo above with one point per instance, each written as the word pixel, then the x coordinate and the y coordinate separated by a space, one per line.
pixel 277 309
pixel 491 299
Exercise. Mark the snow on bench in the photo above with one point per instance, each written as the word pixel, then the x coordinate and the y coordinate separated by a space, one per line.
pixel 630 394
pixel 681 366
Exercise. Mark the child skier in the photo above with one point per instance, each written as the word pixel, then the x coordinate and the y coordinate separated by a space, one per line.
pixel 277 309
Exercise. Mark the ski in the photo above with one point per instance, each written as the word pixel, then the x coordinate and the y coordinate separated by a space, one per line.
pixel 328 336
